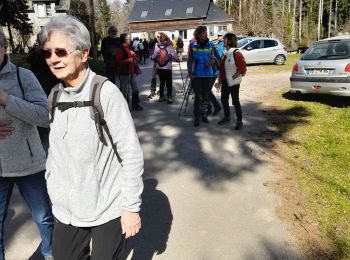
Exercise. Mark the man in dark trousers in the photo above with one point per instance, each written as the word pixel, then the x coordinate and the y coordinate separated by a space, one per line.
pixel 110 44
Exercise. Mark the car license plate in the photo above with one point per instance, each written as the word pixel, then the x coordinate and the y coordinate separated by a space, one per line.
pixel 318 72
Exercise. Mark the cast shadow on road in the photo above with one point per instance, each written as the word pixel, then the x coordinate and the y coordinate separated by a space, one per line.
pixel 156 218
pixel 333 101
pixel 218 154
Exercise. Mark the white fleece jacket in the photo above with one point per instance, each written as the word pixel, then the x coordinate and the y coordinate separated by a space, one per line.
pixel 86 183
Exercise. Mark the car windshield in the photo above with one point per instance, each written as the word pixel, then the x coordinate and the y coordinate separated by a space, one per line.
pixel 331 50
pixel 243 42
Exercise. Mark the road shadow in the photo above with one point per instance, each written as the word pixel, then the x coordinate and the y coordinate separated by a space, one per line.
pixel 157 219
pixel 333 101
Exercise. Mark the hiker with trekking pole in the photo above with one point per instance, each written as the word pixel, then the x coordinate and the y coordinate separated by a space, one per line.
pixel 163 55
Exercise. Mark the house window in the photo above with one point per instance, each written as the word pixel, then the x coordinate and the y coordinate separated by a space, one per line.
pixel 168 12
pixel 144 14
pixel 211 31
pixel 46 10
pixel 189 10
pixel 223 28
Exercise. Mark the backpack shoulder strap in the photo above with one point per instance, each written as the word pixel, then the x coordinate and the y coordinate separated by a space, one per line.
pixel 96 113
pixel 19 81
pixel 52 100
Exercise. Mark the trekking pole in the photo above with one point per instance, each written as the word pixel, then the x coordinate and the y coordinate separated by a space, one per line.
pixel 183 83
pixel 187 93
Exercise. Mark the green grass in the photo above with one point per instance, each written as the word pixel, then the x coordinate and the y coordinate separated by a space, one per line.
pixel 288 66
pixel 320 156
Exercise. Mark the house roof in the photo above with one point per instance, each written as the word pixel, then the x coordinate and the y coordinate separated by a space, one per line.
pixel 162 10
pixel 216 14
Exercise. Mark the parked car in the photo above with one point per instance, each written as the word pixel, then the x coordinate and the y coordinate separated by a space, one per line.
pixel 263 50
pixel 324 68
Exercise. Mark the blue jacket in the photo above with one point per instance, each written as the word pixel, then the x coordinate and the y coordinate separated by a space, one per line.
pixel 199 57
pixel 219 46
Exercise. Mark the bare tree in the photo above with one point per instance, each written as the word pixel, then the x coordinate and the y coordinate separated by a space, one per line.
pixel 293 23
pixel 336 18
pixel 92 26
pixel 330 18
pixel 300 19
pixel 320 16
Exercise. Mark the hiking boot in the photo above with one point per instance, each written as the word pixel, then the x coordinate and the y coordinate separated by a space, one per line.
pixel 205 120
pixel 216 111
pixel 170 100
pixel 224 121
pixel 162 99
pixel 196 122
pixel 239 125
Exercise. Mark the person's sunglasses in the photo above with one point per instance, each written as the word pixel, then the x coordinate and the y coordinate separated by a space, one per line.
pixel 59 52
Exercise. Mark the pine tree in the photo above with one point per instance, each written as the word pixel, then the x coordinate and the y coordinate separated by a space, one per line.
pixel 13 15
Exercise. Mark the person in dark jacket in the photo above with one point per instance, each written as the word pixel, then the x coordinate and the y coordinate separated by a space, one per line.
pixel 46 79
pixel 127 62
pixel 109 46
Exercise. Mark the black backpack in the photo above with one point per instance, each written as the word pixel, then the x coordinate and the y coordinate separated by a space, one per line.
pixel 94 103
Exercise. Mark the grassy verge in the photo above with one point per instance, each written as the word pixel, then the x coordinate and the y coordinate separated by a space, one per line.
pixel 320 156
pixel 287 67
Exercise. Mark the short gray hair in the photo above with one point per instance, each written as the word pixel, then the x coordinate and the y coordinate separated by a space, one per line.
pixel 75 30
pixel 3 40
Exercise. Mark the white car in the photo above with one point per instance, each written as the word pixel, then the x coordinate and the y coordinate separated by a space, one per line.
pixel 324 68
pixel 263 50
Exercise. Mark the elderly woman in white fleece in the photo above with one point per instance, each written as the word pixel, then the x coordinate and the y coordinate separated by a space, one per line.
pixel 95 186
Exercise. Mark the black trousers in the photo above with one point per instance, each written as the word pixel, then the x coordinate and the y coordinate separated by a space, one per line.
pixel 166 79
pixel 226 91
pixel 201 88
pixel 72 243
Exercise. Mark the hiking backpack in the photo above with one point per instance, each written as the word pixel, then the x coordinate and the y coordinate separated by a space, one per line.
pixel 163 57
pixel 96 112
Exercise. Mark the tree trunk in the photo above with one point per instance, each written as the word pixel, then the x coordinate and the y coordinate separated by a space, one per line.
pixel 92 26
pixel 289 6
pixel 336 18
pixel 320 16
pixel 239 12
pixel 300 19
pixel 12 44
pixel 293 24
pixel 282 8
pixel 330 19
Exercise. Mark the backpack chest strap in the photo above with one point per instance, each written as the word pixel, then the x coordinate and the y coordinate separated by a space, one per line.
pixel 63 106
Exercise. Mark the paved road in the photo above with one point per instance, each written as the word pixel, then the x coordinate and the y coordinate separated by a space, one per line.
pixel 204 195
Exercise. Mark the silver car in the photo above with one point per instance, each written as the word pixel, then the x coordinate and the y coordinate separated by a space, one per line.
pixel 263 50
pixel 324 68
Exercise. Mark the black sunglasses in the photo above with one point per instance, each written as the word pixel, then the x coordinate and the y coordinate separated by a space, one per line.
pixel 59 52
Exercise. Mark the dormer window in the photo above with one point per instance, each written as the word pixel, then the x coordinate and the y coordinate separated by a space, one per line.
pixel 144 14
pixel 168 12
pixel 46 10
pixel 189 10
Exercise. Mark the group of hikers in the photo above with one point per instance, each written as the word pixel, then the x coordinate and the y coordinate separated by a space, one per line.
pixel 209 62
pixel 88 185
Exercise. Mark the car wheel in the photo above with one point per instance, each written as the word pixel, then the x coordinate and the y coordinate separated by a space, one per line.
pixel 279 60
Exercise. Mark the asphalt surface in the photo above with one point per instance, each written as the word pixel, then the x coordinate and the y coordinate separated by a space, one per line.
pixel 204 194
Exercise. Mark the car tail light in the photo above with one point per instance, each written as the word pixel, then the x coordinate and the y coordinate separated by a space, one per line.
pixel 295 68
pixel 347 68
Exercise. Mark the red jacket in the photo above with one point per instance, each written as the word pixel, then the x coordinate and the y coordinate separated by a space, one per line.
pixel 123 61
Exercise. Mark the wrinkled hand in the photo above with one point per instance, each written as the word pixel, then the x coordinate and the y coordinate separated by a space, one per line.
pixel 3 98
pixel 131 223
pixel 131 60
pixel 5 128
